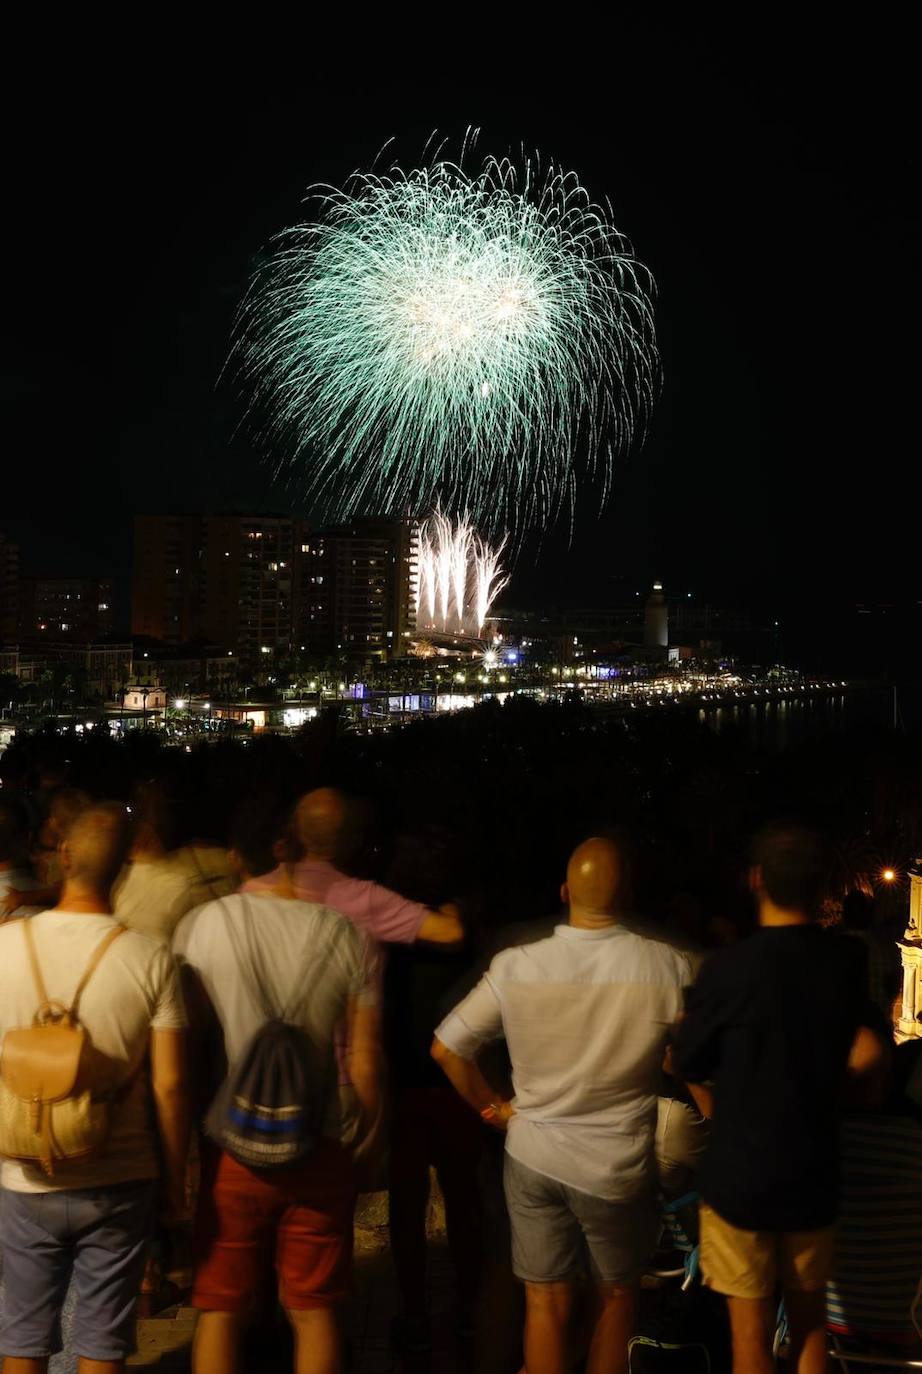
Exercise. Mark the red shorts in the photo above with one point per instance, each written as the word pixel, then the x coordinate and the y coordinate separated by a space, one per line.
pixel 297 1218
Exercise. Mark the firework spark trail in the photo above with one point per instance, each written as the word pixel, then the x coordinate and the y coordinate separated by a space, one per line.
pixel 443 561
pixel 439 334
pixel 460 552
pixel 489 580
pixel 459 576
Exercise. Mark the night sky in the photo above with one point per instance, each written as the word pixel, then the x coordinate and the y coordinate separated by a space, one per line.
pixel 768 179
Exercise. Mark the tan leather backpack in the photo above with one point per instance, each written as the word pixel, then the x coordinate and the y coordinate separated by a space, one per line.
pixel 47 1109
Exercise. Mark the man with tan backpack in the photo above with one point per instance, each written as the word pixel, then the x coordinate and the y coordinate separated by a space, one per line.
pixel 92 1028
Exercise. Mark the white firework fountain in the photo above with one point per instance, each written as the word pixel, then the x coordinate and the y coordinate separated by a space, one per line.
pixel 459 576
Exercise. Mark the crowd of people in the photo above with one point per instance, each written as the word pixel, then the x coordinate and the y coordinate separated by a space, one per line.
pixel 227 1010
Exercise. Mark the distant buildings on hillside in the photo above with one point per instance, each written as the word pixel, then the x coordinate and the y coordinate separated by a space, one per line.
pixel 262 586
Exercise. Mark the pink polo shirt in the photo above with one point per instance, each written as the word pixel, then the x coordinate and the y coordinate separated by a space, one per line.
pixel 383 915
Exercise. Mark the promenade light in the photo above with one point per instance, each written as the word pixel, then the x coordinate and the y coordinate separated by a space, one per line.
pixel 180 703
pixel 889 875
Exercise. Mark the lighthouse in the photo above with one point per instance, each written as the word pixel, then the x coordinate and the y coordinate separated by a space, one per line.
pixel 656 620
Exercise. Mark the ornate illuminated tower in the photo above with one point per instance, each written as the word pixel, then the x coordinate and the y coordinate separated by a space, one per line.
pixel 910 947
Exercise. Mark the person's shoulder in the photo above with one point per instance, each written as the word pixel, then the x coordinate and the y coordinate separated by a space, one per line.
pixel 334 924
pixel 531 954
pixel 662 953
pixel 299 916
pixel 842 945
pixel 218 909
pixel 729 964
pixel 12 940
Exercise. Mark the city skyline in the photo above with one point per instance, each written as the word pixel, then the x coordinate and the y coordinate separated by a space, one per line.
pixel 746 185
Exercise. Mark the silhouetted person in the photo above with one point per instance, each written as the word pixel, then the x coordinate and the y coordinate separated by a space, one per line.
pixel 249 958
pixel 586 1015
pixel 16 876
pixel 92 1218
pixel 773 1022
pixel 320 823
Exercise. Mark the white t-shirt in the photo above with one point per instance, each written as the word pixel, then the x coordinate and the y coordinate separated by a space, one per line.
pixel 153 895
pixel 134 990
pixel 585 1014
pixel 313 960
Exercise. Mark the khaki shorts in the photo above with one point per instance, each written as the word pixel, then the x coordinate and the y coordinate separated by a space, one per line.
pixel 754 1264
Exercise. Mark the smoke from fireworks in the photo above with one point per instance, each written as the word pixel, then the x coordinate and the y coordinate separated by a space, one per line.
pixel 458 577
pixel 440 334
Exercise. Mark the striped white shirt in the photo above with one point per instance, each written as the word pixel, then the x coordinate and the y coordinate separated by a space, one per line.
pixel 585 1014
pixel 879 1238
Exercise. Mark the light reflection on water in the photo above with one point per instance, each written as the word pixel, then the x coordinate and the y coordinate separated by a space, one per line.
pixel 780 724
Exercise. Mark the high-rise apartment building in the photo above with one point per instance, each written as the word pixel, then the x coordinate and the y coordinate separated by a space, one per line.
pixel 230 580
pixel 65 608
pixel 9 590
pixel 167 581
pixel 252 582
pixel 358 594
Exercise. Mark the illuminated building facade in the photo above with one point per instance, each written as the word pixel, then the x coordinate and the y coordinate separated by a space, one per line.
pixel 909 1025
pixel 360 589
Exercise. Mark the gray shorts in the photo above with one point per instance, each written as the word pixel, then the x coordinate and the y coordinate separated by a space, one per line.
pixel 98 1236
pixel 559 1234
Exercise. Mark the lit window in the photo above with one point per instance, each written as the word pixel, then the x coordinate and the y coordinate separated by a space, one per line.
pixel 103 605
pixel 305 548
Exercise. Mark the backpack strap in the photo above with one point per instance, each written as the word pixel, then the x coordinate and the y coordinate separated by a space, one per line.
pixel 34 964
pixel 44 1001
pixel 100 950
pixel 248 955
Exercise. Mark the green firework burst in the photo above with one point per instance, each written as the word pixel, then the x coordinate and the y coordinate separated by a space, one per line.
pixel 441 335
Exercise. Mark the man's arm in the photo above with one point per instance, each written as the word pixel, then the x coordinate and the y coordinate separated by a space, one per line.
pixel 442 927
pixel 703 1097
pixel 209 1063
pixel 868 1071
pixel 15 897
pixel 469 1083
pixel 172 1110
pixel 698 1034
pixel 365 1065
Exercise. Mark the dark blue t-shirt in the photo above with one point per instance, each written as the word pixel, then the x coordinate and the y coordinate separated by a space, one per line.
pixel 770 1023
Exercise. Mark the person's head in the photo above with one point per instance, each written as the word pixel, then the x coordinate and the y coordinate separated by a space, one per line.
pixel 788 872
pixel 257 832
pixel 95 849
pixel 64 807
pixel 319 822
pixel 596 878
pixel 14 833
pixel 857 911
pixel 154 820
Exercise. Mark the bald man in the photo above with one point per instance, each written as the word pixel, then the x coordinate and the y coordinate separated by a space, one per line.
pixel 320 822
pixel 586 1014
pixel 91 1219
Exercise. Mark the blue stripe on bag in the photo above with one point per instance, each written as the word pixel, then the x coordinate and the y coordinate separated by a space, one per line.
pixel 252 1121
